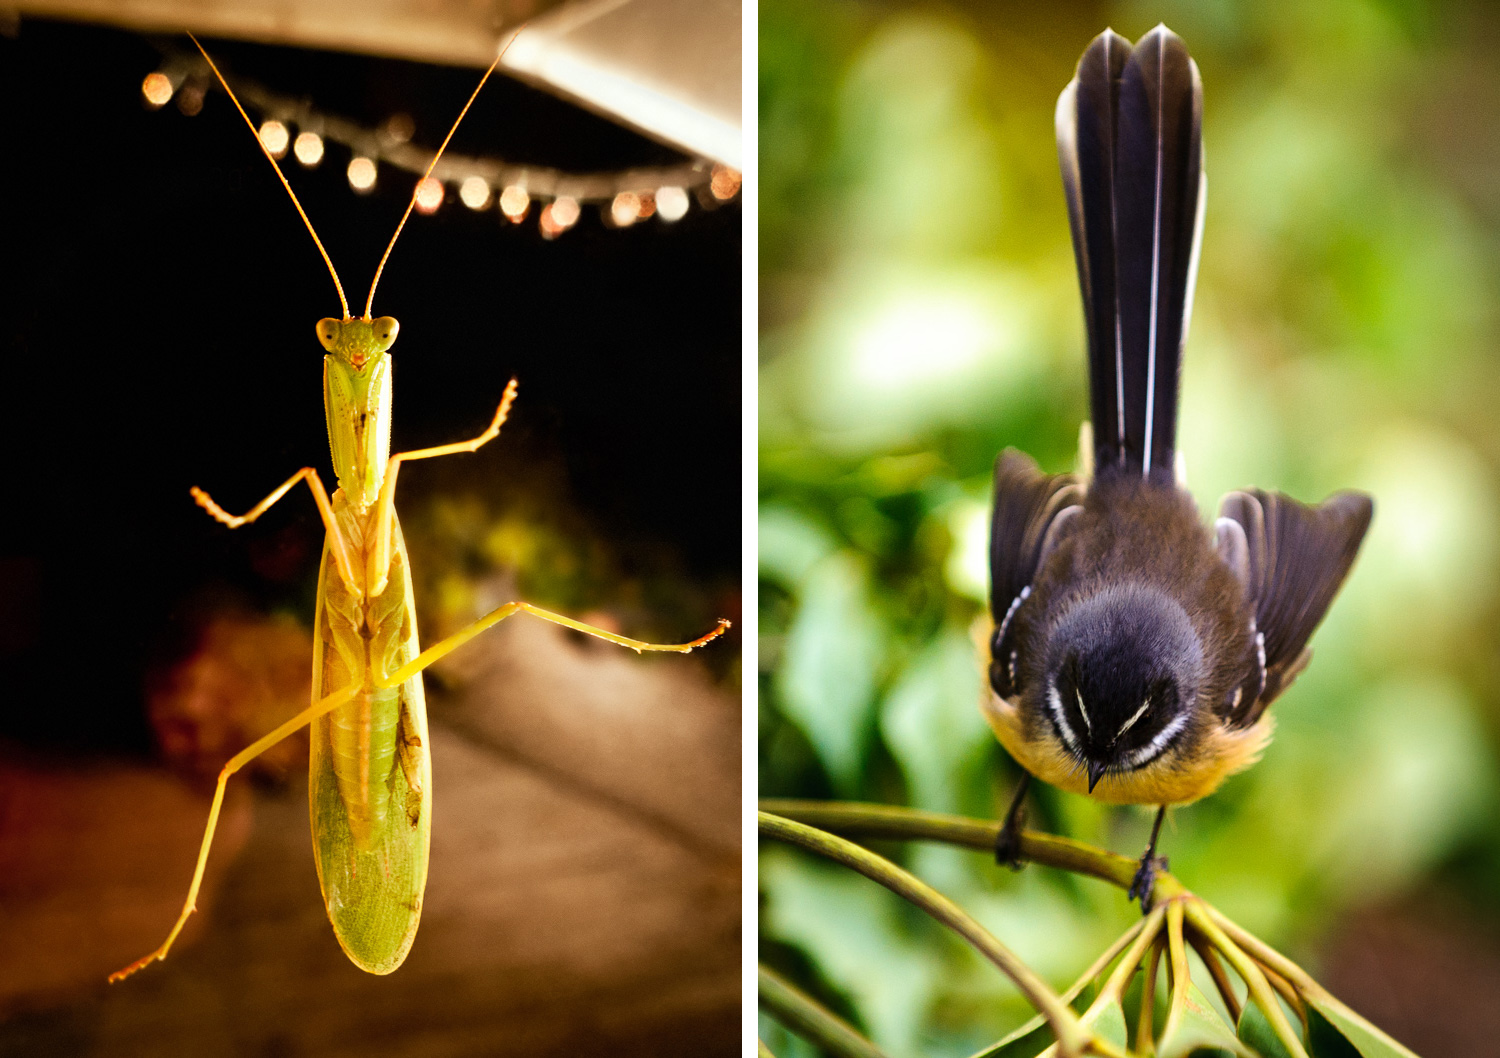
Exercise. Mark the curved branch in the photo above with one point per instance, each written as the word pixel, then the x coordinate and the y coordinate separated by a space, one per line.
pixel 809 1019
pixel 853 819
pixel 1071 1035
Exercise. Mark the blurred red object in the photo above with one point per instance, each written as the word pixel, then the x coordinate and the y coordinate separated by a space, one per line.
pixel 247 673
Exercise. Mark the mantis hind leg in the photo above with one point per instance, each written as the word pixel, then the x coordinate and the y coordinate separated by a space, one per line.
pixel 238 761
pixel 494 617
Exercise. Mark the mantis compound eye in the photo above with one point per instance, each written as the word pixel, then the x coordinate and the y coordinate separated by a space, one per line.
pixel 384 332
pixel 328 331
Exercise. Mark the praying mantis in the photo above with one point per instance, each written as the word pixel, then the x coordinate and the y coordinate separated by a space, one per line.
pixel 370 789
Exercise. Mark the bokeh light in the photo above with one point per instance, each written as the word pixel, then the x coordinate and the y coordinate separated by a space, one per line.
pixel 725 182
pixel 625 208
pixel 275 137
pixel 514 202
pixel 308 147
pixel 361 173
pixel 429 194
pixel 671 203
pixel 565 211
pixel 157 89
pixel 474 192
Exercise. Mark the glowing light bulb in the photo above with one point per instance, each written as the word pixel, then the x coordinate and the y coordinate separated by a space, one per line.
pixel 725 183
pixel 157 88
pixel 514 202
pixel 361 174
pixel 625 208
pixel 671 203
pixel 564 211
pixel 308 147
pixel 475 192
pixel 275 137
pixel 648 205
pixel 429 194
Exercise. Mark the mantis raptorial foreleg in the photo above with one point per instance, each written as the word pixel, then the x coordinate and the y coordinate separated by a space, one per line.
pixel 385 508
pixel 238 761
pixel 494 617
pixel 336 542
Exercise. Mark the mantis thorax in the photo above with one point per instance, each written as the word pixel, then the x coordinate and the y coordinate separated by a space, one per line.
pixel 357 402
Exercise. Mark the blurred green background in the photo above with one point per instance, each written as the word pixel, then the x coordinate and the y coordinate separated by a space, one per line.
pixel 920 312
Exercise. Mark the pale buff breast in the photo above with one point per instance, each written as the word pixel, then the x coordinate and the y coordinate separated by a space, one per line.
pixel 1167 780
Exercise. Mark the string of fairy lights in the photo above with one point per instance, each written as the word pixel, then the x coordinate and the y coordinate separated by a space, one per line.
pixel 623 197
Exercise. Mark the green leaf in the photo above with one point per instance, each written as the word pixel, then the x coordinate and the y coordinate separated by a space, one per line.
pixel 1029 1040
pixel 1111 1025
pixel 833 652
pixel 1035 1035
pixel 856 934
pixel 1201 1031
pixel 932 724
pixel 1255 1029
pixel 1335 1031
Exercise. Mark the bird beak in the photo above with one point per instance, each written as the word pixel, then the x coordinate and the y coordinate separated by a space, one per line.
pixel 1096 772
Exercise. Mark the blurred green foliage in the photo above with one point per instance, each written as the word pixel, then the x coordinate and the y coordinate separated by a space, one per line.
pixel 919 312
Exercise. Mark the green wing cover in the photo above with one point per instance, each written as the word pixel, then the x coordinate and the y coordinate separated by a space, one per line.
pixel 370 787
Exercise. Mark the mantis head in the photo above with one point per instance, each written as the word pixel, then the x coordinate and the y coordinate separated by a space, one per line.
pixel 357 342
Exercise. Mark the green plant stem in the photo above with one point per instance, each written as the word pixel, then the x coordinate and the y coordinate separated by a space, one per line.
pixel 1114 988
pixel 1143 1019
pixel 853 819
pixel 1102 963
pixel 1220 977
pixel 1263 952
pixel 1177 962
pixel 1245 966
pixel 809 1019
pixel 1071 1035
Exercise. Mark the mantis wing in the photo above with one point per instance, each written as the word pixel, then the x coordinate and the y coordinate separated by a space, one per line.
pixel 370 788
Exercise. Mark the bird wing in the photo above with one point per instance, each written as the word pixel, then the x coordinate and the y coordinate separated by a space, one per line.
pixel 1032 511
pixel 1291 559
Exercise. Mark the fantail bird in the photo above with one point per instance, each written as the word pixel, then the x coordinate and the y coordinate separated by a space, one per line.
pixel 1135 650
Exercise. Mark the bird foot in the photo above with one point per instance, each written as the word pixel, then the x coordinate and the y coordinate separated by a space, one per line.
pixel 1143 885
pixel 1008 843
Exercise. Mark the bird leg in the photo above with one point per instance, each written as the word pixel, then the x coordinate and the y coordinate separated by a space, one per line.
pixel 1144 882
pixel 1008 841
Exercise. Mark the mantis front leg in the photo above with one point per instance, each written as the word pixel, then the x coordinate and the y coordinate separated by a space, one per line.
pixel 385 508
pixel 336 542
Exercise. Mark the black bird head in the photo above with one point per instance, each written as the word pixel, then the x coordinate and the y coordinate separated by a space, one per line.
pixel 1123 669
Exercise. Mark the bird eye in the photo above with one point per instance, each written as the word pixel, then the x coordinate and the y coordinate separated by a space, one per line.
pixel 328 331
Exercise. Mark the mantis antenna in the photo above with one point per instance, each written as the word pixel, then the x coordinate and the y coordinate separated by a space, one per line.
pixel 431 166
pixel 272 159
pixel 343 301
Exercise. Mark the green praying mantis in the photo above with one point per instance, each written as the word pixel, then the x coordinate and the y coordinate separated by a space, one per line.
pixel 370 789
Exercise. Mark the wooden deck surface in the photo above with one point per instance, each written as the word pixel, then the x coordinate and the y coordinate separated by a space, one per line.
pixel 584 893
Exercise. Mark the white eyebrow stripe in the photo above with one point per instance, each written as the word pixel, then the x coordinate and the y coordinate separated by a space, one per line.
pixel 1127 725
pixel 1083 712
pixel 1055 706
pixel 1153 749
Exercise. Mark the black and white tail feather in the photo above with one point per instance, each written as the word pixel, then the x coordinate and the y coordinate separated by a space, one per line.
pixel 1130 141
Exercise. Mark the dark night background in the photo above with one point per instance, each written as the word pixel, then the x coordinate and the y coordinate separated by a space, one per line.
pixel 158 296
pixel 157 302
